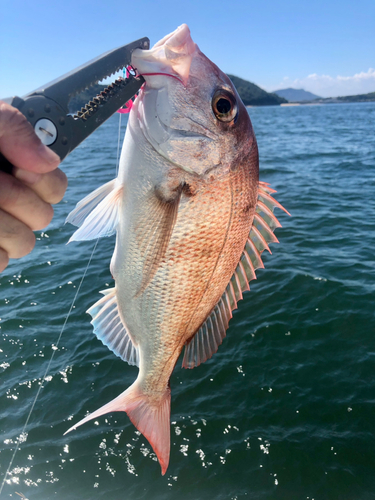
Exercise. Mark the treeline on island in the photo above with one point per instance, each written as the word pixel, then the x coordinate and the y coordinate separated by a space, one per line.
pixel 252 95
pixel 370 97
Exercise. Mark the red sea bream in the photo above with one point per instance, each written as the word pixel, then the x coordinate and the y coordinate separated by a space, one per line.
pixel 191 221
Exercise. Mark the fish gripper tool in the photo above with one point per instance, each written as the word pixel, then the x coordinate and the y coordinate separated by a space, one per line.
pixel 47 108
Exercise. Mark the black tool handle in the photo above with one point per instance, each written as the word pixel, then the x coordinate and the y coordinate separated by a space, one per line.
pixel 47 107
pixel 5 165
pixel 35 108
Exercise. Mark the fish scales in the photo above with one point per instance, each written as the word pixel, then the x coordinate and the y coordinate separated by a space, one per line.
pixel 197 266
pixel 183 209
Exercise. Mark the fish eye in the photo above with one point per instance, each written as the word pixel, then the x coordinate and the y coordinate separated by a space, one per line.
pixel 224 106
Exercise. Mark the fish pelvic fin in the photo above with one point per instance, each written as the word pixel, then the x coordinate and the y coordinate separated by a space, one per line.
pixel 210 335
pixel 151 418
pixel 97 214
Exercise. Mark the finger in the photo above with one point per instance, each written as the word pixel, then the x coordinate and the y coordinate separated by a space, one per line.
pixel 16 239
pixel 4 260
pixel 20 145
pixel 50 187
pixel 21 202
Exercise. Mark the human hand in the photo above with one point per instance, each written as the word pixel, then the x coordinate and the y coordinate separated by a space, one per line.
pixel 27 195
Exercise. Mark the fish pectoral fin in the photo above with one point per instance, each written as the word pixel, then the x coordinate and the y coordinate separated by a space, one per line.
pixel 154 232
pixel 212 332
pixel 108 327
pixel 97 214
pixel 152 420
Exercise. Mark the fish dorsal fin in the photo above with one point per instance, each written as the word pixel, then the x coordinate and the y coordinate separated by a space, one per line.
pixel 97 214
pixel 209 336
pixel 212 332
pixel 108 327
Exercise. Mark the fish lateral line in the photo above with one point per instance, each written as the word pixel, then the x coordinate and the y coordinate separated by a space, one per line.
pixel 205 342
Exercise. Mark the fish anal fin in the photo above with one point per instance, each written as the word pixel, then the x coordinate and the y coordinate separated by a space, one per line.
pixel 151 418
pixel 154 233
pixel 212 332
pixel 109 329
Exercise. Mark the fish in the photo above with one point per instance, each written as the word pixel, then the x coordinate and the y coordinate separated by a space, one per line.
pixel 191 220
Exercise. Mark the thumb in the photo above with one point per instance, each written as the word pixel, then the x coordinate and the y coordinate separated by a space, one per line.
pixel 20 145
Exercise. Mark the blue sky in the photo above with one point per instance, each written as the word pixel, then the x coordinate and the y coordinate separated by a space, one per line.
pixel 327 47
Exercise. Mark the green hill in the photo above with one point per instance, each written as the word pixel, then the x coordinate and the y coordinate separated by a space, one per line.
pixel 252 95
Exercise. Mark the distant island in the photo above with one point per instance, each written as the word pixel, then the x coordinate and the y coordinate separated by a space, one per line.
pixel 296 95
pixel 302 96
pixel 370 97
pixel 251 95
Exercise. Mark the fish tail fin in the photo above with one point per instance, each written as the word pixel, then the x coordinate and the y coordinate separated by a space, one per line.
pixel 151 419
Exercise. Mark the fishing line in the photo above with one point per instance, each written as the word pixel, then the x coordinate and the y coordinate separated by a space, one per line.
pixel 118 144
pixel 23 436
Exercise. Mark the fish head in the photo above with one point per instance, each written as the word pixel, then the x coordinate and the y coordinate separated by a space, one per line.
pixel 189 110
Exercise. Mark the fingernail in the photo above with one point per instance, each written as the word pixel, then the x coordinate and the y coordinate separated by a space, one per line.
pixel 47 154
pixel 26 176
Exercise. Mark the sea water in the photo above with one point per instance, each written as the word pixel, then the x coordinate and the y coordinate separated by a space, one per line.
pixel 284 409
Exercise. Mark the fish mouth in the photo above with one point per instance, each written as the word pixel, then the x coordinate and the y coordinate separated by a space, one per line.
pixel 160 74
pixel 171 56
